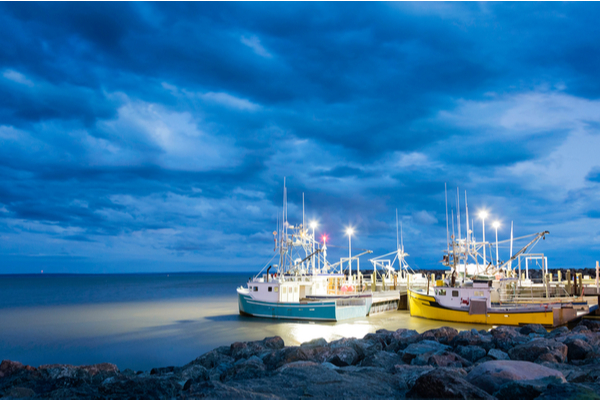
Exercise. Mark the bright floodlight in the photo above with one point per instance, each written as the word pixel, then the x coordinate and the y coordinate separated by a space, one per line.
pixel 483 214
pixel 349 231
pixel 496 224
pixel 313 224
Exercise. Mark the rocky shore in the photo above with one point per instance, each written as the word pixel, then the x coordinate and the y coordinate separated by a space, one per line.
pixel 506 362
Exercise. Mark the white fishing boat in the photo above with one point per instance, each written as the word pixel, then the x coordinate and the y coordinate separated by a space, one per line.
pixel 304 285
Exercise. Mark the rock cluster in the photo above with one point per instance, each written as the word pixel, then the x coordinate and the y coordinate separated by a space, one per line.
pixel 506 362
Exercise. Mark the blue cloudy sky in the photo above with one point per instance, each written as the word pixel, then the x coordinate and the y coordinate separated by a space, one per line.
pixel 155 137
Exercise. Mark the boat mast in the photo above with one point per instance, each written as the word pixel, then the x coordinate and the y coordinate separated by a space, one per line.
pixel 447 231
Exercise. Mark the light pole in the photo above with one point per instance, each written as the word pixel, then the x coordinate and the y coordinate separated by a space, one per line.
pixel 313 225
pixel 483 215
pixel 496 225
pixel 349 232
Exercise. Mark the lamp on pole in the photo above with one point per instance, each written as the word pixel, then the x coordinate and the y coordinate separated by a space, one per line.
pixel 496 226
pixel 483 215
pixel 349 232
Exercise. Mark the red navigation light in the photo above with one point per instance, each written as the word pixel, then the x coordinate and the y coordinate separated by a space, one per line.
pixel 324 238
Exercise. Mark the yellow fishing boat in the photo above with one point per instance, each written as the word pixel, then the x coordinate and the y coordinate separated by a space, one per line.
pixel 472 304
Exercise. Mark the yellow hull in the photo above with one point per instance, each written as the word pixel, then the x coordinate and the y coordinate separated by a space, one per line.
pixel 426 307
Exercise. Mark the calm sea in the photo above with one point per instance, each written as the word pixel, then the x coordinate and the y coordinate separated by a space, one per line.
pixel 148 320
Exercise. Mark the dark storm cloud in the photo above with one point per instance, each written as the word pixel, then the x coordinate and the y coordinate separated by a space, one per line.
pixel 163 131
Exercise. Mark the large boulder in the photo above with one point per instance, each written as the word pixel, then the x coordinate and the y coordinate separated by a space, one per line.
pixel 540 350
pixel 445 384
pixel 490 376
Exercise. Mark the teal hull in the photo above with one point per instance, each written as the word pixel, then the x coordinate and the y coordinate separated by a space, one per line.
pixel 327 310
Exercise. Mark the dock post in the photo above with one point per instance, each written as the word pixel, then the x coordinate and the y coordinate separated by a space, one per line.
pixel 580 279
pixel 407 292
pixel 597 273
pixel 568 284
pixel 575 284
pixel 548 280
pixel 559 276
pixel 373 282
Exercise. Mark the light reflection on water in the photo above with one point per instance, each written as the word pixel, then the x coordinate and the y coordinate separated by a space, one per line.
pixel 151 332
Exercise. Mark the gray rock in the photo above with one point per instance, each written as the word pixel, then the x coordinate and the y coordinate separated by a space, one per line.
pixel 342 356
pixel 471 353
pixel 506 337
pixel 473 338
pixel 195 373
pixel 251 368
pixel 443 335
pixel 540 350
pixel 19 392
pixel 422 348
pixel 519 390
pixel 569 391
pixel 442 359
pixel 315 343
pixel 490 376
pixel 408 374
pixel 578 349
pixel 382 359
pixel 445 384
pixel 592 325
pixel 213 358
pixel 533 328
pixel 563 330
pixel 247 349
pixel 498 354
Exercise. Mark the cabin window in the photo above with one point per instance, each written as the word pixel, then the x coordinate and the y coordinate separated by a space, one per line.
pixel 478 293
pixel 283 289
pixel 455 293
pixel 256 288
pixel 296 289
pixel 270 289
pixel 442 292
pixel 276 289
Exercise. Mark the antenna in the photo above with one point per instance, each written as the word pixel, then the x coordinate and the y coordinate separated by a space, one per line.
pixel 511 244
pixel 467 217
pixel 397 242
pixel 453 234
pixel 303 211
pixel 401 238
pixel 458 211
pixel 447 232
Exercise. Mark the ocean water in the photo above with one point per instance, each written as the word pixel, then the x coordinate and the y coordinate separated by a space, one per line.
pixel 143 321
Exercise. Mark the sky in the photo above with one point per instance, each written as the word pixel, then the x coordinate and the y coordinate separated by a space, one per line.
pixel 155 137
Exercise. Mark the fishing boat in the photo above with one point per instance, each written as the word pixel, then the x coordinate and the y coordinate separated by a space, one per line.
pixel 478 291
pixel 304 285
